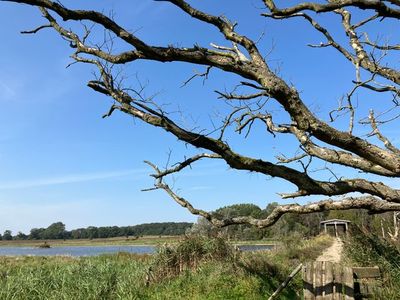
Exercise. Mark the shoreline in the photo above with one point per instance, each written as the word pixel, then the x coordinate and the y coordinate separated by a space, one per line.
pixel 119 241
pixel 116 241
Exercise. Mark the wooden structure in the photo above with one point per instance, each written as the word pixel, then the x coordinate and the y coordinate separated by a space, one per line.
pixel 365 281
pixel 339 226
pixel 327 280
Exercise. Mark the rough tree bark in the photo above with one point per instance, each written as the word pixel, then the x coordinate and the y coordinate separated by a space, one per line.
pixel 317 140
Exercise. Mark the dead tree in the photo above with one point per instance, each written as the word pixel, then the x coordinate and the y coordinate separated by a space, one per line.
pixel 374 157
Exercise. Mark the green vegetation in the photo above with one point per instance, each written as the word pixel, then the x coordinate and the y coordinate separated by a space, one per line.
pixel 205 265
pixel 57 231
pixel 7 235
pixel 305 225
pixel 145 240
pixel 195 268
pixel 365 250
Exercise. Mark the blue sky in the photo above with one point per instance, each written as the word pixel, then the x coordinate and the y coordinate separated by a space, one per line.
pixel 60 161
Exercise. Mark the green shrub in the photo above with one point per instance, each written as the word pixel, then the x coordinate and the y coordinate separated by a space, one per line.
pixel 365 249
pixel 189 254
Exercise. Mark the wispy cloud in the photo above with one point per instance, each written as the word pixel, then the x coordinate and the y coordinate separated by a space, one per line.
pixel 72 178
pixel 148 7
pixel 6 92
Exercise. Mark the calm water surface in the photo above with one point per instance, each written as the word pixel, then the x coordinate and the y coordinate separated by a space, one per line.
pixel 255 247
pixel 97 250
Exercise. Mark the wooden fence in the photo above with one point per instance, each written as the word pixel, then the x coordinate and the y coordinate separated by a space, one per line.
pixel 326 280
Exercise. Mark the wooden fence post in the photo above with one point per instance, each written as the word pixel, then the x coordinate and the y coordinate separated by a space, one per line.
pixel 286 282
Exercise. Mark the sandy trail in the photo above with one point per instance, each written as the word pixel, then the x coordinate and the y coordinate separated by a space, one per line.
pixel 333 253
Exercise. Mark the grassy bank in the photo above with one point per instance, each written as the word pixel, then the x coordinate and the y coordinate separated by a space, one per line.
pixel 191 269
pixel 145 240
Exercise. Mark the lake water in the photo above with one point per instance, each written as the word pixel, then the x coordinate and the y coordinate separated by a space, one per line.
pixel 255 247
pixel 97 250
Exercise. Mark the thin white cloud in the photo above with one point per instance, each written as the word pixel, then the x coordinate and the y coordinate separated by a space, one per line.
pixel 73 178
pixel 146 8
pixel 6 92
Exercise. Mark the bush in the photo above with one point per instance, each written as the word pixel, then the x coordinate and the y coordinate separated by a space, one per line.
pixel 365 249
pixel 188 254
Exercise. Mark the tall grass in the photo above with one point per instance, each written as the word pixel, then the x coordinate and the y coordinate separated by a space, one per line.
pixel 274 266
pixel 195 268
pixel 189 254
pixel 365 250
pixel 104 277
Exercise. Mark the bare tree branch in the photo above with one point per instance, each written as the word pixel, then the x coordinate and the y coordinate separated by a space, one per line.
pixel 379 6
pixel 372 204
pixel 180 166
pixel 36 29
pixel 384 139
pixel 258 86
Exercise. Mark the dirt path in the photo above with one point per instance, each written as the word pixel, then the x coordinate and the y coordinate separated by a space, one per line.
pixel 333 253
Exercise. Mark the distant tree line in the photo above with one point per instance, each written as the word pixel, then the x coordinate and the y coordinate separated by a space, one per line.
pixel 386 225
pixel 57 231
